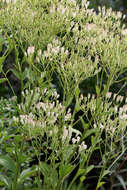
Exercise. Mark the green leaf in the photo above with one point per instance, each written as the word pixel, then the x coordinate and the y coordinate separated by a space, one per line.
pixel 7 162
pixel 84 171
pixel 44 168
pixel 50 174
pixel 89 168
pixel 95 140
pixel 105 89
pixel 85 125
pixel 77 92
pixel 7 181
pixel 65 170
pixel 97 90
pixel 16 73
pixel 105 173
pixel 89 132
pixel 27 173
pixel 80 172
pixel 1 63
pixel 77 105
pixel 105 113
pixel 83 159
pixel 18 138
pixel 68 153
pixel 2 80
pixel 100 184
pixel 68 101
pixel 82 178
pixel 25 74
pixel 98 105
pixel 122 181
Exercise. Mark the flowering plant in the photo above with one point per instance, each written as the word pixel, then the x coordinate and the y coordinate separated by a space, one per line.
pixel 70 125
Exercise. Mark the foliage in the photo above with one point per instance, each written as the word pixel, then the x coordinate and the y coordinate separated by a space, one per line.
pixel 54 134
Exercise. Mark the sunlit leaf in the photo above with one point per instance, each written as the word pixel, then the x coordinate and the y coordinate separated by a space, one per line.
pixel 89 168
pixel 1 62
pixel 89 132
pixel 7 162
pixel 105 173
pixel 82 178
pixel 65 170
pixel 7 181
pixel 100 184
pixel 3 80
pixel 27 173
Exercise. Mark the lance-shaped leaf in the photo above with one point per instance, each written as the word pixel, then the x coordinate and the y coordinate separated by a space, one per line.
pixel 7 162
pixel 27 173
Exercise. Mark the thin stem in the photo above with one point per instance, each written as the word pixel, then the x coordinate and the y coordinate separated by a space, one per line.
pixel 9 83
pixel 118 169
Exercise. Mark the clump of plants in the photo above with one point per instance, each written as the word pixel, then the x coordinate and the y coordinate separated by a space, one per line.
pixel 64 127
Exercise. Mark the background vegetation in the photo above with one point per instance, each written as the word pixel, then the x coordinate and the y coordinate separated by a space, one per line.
pixel 119 5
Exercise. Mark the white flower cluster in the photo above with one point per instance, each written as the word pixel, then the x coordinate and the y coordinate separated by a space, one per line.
pixel 76 140
pixel 124 32
pixel 82 147
pixel 65 10
pixel 30 120
pixel 93 28
pixel 108 126
pixel 48 116
pixel 9 1
pixel 89 102
pixel 60 9
pixel 116 98
pixel 39 54
pixel 105 122
pixel 67 133
pixel 53 49
pixel 45 115
pixel 122 111
pixel 30 50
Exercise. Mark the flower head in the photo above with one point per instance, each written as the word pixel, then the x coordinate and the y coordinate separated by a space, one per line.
pixel 30 50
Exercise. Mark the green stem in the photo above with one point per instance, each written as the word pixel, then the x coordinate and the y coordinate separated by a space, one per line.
pixel 15 184
pixel 9 83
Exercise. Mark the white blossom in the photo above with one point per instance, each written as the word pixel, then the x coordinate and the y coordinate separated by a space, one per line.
pixel 65 134
pixel 30 50
pixel 101 126
pixel 74 140
pixel 109 94
pixel 15 119
pixel 67 116
pixel 82 147
pixel 69 132
pixel 9 1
